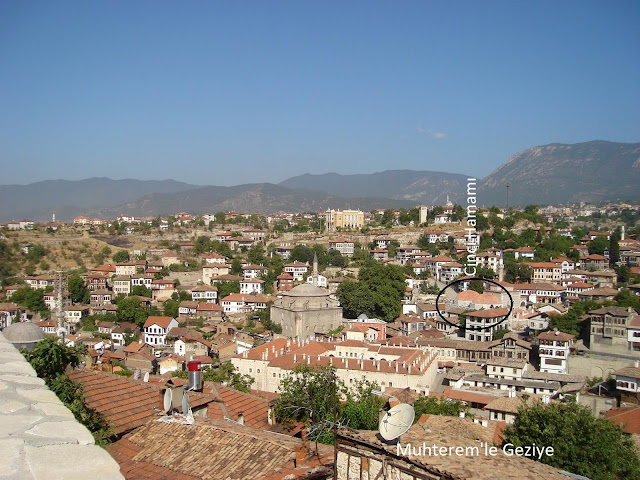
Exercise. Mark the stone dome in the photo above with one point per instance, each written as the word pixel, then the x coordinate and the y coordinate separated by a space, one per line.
pixel 306 290
pixel 23 334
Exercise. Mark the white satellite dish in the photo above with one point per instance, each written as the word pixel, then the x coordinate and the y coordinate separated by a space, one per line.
pixel 168 396
pixel 146 377
pixel 186 405
pixel 397 421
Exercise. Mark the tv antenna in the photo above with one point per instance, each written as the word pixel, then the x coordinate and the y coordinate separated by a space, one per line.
pixel 397 421
pixel 507 198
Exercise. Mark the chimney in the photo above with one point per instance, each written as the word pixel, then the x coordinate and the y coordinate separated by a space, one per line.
pixel 240 418
pixel 461 414
pixel 484 422
pixel 295 358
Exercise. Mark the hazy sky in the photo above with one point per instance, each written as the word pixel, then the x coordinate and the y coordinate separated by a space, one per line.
pixel 228 92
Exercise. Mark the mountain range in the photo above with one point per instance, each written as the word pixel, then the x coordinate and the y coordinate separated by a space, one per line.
pixel 555 173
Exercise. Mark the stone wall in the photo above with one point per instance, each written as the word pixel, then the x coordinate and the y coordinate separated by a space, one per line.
pixel 598 366
pixel 39 437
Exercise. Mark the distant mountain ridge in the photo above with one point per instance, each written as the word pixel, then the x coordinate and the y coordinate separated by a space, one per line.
pixel 429 188
pixel 68 198
pixel 562 173
pixel 555 173
pixel 265 198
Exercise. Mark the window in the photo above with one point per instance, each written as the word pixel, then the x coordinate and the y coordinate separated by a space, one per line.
pixel 390 384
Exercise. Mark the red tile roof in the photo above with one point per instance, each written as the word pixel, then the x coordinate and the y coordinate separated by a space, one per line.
pixel 123 402
pixel 627 417
pixel 254 409
pixel 209 449
pixel 158 320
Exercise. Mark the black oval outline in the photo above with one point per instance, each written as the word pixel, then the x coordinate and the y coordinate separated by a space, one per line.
pixel 474 329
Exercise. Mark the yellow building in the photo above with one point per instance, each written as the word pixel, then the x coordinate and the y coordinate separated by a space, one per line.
pixel 344 219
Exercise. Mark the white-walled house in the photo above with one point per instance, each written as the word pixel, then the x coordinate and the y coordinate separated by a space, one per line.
pixel 252 285
pixel 554 350
pixel 628 380
pixel 156 328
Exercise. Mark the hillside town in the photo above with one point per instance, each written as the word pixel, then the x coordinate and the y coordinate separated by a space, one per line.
pixel 488 310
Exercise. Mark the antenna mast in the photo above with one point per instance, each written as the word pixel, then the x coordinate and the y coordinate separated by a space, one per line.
pixel 507 198
pixel 59 310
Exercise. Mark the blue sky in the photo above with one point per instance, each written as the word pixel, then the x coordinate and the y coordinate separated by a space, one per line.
pixel 225 93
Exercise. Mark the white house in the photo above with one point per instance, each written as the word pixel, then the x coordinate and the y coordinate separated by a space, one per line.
pixel 554 350
pixel 297 270
pixel 322 280
pixel 249 286
pixel 204 293
pixel 156 328
pixel 344 246
pixel 628 379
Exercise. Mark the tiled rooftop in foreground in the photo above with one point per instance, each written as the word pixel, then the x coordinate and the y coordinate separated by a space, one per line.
pixel 39 437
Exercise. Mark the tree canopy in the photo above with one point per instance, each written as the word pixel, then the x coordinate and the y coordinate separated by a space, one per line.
pixel 312 395
pixel 582 444
pixel 377 293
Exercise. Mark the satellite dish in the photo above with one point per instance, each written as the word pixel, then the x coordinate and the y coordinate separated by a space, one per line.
pixel 397 421
pixel 167 400
pixel 186 405
pixel 146 377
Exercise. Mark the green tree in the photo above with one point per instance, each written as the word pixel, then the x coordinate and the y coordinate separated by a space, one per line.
pixel 236 267
pixel 32 299
pixel 598 245
pixel 121 256
pixel 378 292
pixel 140 290
pixel 501 332
pixel 614 246
pixel 171 308
pixel 50 360
pixel 311 395
pixel 476 286
pixel 438 406
pixel 131 309
pixel 255 255
pixel 360 410
pixel 301 253
pixel 354 299
pixel 202 245
pixel 227 288
pixel 582 444
pixel 228 374
pixel 79 293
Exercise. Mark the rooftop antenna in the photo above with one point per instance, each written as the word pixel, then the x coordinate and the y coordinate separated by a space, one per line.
pixel 397 421
pixel 59 312
pixel 507 198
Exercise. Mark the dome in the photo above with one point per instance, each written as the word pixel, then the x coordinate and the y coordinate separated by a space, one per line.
pixel 306 290
pixel 23 333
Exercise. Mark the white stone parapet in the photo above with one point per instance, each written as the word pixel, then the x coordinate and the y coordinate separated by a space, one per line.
pixel 39 437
